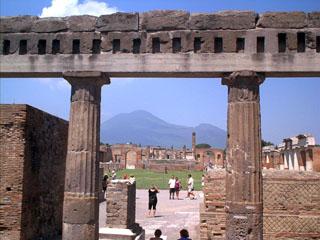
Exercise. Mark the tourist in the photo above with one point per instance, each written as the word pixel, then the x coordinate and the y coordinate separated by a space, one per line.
pixel 178 187
pixel 190 184
pixel 184 235
pixel 172 185
pixel 114 175
pixel 132 179
pixel 104 185
pixel 157 235
pixel 153 191
pixel 202 180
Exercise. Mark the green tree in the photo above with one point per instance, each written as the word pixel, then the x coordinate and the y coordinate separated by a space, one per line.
pixel 203 145
pixel 265 143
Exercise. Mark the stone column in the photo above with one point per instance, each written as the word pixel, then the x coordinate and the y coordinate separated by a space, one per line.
pixel 243 177
pixel 309 161
pixel 81 207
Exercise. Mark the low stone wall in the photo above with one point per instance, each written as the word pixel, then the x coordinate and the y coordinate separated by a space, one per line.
pixel 33 151
pixel 121 204
pixel 291 205
pixel 172 165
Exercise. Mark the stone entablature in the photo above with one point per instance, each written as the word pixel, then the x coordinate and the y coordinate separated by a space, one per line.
pixel 291 207
pixel 162 32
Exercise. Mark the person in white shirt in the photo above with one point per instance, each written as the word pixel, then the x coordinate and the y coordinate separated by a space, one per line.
pixel 190 183
pixel 172 186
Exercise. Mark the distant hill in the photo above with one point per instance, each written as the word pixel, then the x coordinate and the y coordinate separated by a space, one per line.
pixel 141 127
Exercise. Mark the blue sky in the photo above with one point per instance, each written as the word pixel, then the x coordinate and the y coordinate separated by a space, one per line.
pixel 288 106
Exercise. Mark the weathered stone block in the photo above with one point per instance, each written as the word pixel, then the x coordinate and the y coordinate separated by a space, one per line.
pixel 314 20
pixel 85 23
pixel 53 24
pixel 165 42
pixel 282 20
pixel 233 20
pixel 164 20
pixel 17 24
pixel 85 38
pixel 118 22
pixel 127 44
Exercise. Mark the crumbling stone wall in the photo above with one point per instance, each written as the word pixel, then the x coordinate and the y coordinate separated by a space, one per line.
pixel 162 32
pixel 291 205
pixel 33 151
pixel 121 204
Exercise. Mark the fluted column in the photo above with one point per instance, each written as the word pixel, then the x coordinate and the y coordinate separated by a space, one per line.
pixel 243 166
pixel 80 206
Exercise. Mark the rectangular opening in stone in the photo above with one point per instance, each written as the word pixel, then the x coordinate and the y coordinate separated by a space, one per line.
pixel 55 46
pixel 176 45
pixel 42 45
pixel 23 47
pixel 116 45
pixel 6 47
pixel 155 45
pixel 260 45
pixel 197 44
pixel 282 42
pixel 136 45
pixel 96 46
pixel 76 46
pixel 218 45
pixel 301 40
pixel 318 43
pixel 240 45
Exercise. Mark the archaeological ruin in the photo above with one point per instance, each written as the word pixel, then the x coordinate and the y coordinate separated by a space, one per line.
pixel 241 47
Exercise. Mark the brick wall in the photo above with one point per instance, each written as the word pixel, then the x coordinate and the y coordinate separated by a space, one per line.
pixel 33 150
pixel 291 205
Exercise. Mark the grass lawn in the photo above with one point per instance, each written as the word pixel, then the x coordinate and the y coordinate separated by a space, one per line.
pixel 145 178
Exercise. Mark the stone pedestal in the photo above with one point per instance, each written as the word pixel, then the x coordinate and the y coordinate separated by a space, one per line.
pixel 121 212
pixel 243 177
pixel 81 207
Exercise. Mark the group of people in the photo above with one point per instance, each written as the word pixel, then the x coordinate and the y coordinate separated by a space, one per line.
pixel 175 187
pixel 184 235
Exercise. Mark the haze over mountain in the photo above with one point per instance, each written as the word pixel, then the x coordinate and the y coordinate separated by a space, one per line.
pixel 142 127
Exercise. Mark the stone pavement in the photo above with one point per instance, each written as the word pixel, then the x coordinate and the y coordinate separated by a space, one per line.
pixel 171 216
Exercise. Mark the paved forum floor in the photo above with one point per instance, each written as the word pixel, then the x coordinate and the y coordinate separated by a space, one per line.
pixel 171 217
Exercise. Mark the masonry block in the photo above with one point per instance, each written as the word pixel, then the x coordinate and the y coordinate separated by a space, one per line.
pixel 160 20
pixel 118 22
pixel 282 20
pixel 233 20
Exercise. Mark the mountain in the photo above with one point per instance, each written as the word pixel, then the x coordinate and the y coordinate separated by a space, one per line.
pixel 143 128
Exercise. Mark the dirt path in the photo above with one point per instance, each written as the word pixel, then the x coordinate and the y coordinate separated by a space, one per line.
pixel 171 217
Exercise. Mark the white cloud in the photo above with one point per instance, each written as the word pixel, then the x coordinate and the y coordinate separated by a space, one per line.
pixel 62 8
pixel 55 84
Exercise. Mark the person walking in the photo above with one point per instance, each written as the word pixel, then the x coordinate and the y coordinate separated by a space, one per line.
pixel 178 187
pixel 190 184
pixel 153 200
pixel 184 235
pixel 104 185
pixel 172 186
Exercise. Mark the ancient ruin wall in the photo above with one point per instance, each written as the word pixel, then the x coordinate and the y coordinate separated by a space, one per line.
pixel 33 151
pixel 291 205
pixel 162 32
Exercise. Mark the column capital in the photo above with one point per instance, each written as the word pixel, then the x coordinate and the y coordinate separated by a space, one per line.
pixel 87 77
pixel 243 79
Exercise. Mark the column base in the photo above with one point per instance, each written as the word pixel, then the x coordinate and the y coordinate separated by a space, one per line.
pixel 137 233
pixel 79 231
